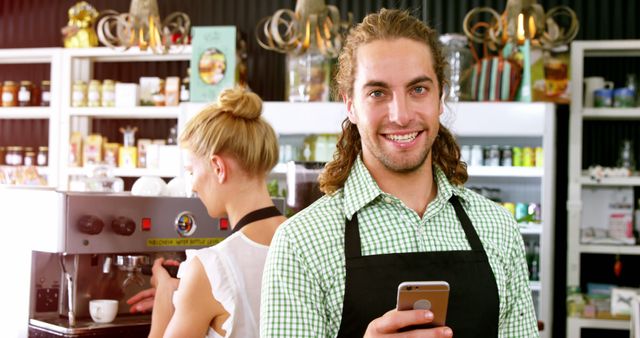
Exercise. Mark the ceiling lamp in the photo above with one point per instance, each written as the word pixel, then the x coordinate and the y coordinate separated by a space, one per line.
pixel 143 27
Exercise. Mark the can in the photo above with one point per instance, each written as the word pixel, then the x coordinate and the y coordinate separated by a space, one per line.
pixel 539 157
pixel 511 207
pixel 535 210
pixel 517 156
pixel 528 157
pixel 493 156
pixel 506 157
pixel 522 210
pixel 477 157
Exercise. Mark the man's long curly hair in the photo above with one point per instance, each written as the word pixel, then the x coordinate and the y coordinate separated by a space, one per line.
pixel 386 25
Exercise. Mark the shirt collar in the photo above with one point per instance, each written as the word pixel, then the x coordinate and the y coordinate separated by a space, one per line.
pixel 361 189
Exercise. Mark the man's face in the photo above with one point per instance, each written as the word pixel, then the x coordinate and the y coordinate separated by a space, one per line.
pixel 395 104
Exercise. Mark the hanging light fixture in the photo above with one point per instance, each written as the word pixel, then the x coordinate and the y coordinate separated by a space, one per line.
pixel 313 25
pixel 143 27
pixel 524 19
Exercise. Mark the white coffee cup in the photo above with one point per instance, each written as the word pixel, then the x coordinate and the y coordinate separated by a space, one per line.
pixel 103 310
pixel 592 84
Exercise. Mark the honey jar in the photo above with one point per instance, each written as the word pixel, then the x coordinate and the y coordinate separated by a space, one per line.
pixel 94 94
pixel 45 98
pixel 24 94
pixel 9 94
pixel 108 93
pixel 79 94
pixel 42 159
pixel 29 158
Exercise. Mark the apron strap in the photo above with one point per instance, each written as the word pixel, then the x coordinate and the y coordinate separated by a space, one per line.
pixel 352 238
pixel 467 226
pixel 256 215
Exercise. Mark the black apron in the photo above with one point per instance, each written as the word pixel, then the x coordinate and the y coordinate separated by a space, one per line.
pixel 372 283
pixel 256 215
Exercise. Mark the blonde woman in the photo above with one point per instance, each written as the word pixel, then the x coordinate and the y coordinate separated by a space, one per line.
pixel 231 150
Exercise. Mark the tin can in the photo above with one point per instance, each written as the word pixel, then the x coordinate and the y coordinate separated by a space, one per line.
pixel 528 157
pixel 506 157
pixel 539 157
pixel 493 156
pixel 535 210
pixel 511 207
pixel 522 210
pixel 517 156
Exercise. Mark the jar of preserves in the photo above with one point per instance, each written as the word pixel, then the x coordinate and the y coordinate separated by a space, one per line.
pixel 108 93
pixel 2 155
pixel 24 94
pixel 14 156
pixel 45 96
pixel 42 159
pixel 95 89
pixel 79 94
pixel 9 94
pixel 29 158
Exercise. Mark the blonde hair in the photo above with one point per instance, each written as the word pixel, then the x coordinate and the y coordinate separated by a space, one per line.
pixel 233 126
pixel 388 24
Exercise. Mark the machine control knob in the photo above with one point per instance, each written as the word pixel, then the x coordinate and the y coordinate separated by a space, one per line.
pixel 185 224
pixel 123 226
pixel 90 224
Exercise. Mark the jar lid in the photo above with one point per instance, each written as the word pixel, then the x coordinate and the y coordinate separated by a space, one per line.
pixel 78 82
pixel 453 39
pixel 25 83
pixel 108 81
pixel 43 148
pixel 94 82
pixel 15 148
pixel 28 149
pixel 30 153
pixel 46 82
pixel 9 83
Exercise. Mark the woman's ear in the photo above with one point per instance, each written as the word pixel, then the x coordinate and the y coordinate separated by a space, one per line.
pixel 220 167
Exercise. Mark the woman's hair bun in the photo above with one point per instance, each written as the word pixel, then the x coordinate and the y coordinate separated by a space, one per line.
pixel 240 103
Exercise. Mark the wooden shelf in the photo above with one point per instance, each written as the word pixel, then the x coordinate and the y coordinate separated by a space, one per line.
pixel 127 113
pixel 24 113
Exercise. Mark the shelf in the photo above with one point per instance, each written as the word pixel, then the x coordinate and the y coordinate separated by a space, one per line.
pixel 591 323
pixel 28 55
pixel 612 249
pixel 105 54
pixel 25 112
pixel 531 229
pixel 611 114
pixel 305 118
pixel 610 181
pixel 535 285
pixel 127 113
pixel 135 172
pixel 486 171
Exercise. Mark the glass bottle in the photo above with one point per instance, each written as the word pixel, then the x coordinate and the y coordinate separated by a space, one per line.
pixel 459 58
pixel 627 157
pixel 24 94
pixel 79 94
pixel 108 93
pixel 45 88
pixel 9 94
pixel 94 92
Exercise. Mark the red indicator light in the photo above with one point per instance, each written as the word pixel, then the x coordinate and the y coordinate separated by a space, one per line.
pixel 224 224
pixel 146 224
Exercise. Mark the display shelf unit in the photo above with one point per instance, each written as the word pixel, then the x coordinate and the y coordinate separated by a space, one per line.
pixel 522 172
pixel 78 65
pixel 578 178
pixel 53 57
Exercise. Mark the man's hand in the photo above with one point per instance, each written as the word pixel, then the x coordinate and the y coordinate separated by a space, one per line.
pixel 394 320
pixel 143 300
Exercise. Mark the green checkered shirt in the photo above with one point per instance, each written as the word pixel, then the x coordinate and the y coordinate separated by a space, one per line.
pixel 304 277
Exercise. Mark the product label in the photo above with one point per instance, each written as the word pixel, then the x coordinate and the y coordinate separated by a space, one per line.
pixel 78 96
pixel 7 97
pixel 94 96
pixel 46 96
pixel 158 242
pixel 24 95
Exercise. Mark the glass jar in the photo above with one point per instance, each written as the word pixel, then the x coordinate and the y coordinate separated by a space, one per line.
pixel 79 94
pixel 108 93
pixel 458 56
pixel 45 95
pixel 24 94
pixel 184 90
pixel 95 88
pixel 307 77
pixel 13 156
pixel 42 158
pixel 9 94
pixel 2 155
pixel 29 158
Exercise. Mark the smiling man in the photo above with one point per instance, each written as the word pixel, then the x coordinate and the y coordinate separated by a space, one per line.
pixel 395 210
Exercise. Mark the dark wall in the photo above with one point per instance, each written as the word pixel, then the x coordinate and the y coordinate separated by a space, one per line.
pixel 37 23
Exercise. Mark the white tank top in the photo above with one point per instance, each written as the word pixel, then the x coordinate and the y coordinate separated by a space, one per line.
pixel 234 269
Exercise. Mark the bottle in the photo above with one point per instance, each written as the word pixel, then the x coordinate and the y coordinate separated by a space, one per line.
pixel 184 90
pixel 626 159
pixel 95 90
pixel 9 94
pixel 45 88
pixel 459 58
pixel 24 94
pixel 108 93
pixel 535 263
pixel 79 94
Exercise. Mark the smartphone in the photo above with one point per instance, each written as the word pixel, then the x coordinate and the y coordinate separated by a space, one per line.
pixel 433 296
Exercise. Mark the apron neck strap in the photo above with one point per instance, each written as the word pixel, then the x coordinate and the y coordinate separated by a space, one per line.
pixel 467 226
pixel 352 238
pixel 256 215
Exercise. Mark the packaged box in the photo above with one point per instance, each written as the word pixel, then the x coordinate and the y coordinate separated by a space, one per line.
pixel 172 91
pixel 127 157
pixel 127 95
pixel 111 154
pixel 92 150
pixel 621 299
pixel 148 87
pixel 75 149
pixel 142 152
pixel 213 62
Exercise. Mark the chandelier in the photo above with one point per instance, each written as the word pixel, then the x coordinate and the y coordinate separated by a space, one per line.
pixel 522 19
pixel 143 27
pixel 313 25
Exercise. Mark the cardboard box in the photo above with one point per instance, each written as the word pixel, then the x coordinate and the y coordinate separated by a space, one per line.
pixel 128 157
pixel 92 150
pixel 127 95
pixel 172 91
pixel 213 62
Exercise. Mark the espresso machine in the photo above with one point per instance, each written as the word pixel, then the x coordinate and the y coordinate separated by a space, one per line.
pixel 102 248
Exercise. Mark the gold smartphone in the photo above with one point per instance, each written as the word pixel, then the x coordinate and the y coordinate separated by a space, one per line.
pixel 433 296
